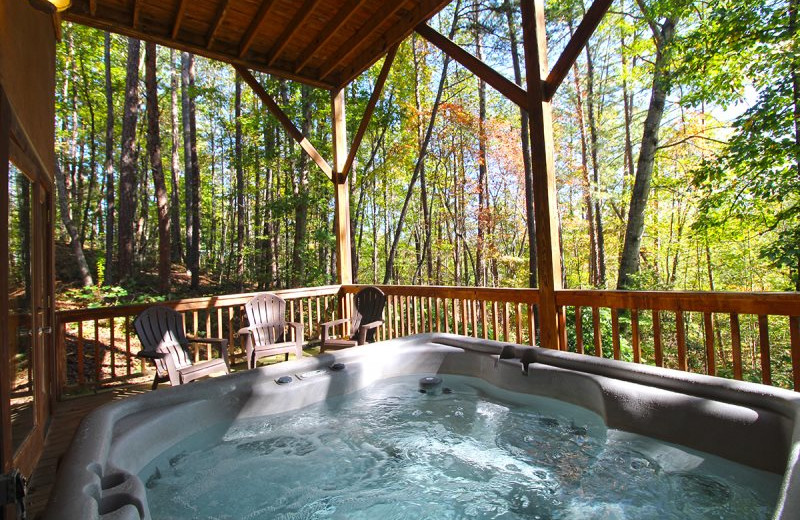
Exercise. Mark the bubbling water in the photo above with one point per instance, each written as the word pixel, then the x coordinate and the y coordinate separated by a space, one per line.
pixel 392 452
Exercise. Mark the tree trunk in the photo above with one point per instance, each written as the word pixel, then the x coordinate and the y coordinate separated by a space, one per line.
pixel 600 253
pixel 533 276
pixel 301 199
pixel 175 205
pixel 239 184
pixel 629 263
pixel 109 164
pixel 483 206
pixel 154 151
pixel 75 239
pixel 191 169
pixel 128 167
pixel 421 158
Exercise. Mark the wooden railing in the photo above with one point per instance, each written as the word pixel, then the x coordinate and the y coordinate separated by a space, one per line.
pixel 97 347
pixel 749 336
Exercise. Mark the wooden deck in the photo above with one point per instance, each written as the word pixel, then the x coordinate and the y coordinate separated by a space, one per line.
pixel 67 415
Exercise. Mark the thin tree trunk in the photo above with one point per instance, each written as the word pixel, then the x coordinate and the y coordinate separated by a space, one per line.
pixel 483 206
pixel 600 253
pixel 239 184
pixel 301 199
pixel 421 158
pixel 191 169
pixel 154 151
pixel 629 263
pixel 109 164
pixel 533 276
pixel 128 167
pixel 175 205
pixel 75 239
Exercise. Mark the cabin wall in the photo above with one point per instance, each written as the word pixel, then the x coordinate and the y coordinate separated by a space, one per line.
pixel 27 113
pixel 27 75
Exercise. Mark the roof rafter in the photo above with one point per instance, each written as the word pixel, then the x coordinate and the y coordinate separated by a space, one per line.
pixel 350 46
pixel 328 32
pixel 179 18
pixel 217 22
pixel 291 29
pixel 396 33
pixel 250 34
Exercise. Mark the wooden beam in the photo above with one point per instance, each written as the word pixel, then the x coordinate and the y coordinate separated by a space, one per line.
pixel 179 18
pixel 354 43
pixel 508 88
pixel 344 262
pixel 544 184
pixel 575 45
pixel 212 35
pixel 255 25
pixel 373 101
pixel 342 16
pixel 291 29
pixel 119 23
pixel 135 19
pixel 284 120
pixel 6 450
pixel 394 34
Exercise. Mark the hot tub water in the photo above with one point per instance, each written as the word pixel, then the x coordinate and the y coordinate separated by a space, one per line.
pixel 389 451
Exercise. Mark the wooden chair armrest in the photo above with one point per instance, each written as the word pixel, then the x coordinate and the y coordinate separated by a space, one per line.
pixel 328 325
pixel 298 331
pixel 363 329
pixel 152 355
pixel 220 343
pixel 243 331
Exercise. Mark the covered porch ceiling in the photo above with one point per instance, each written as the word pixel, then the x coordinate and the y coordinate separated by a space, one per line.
pixel 324 43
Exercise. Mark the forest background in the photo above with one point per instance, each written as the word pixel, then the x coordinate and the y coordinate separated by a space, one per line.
pixel 677 142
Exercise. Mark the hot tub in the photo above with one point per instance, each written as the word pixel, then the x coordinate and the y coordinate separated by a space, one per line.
pixel 746 423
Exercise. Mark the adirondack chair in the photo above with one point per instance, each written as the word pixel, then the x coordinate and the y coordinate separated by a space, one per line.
pixel 160 330
pixel 367 317
pixel 267 333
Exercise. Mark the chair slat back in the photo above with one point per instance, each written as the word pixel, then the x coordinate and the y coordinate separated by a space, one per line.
pixel 267 308
pixel 369 303
pixel 160 329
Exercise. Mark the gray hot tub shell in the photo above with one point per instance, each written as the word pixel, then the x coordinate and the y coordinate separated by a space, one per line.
pixel 748 423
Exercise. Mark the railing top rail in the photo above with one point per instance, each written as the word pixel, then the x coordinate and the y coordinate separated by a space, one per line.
pixel 441 291
pixel 762 303
pixel 190 304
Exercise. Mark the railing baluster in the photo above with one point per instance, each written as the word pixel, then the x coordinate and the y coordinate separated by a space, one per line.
pixel 708 326
pixel 219 323
pixel 578 330
pixel 562 328
pixel 657 339
pixel 736 346
pixel 794 334
pixel 112 360
pixel 519 323
pixel 390 316
pixel 635 337
pixel 473 304
pixel 415 303
pixel 531 325
pixel 230 336
pixel 615 332
pixel 505 321
pixel 680 332
pixel 128 358
pixel 97 360
pixel 79 350
pixel 430 313
pixel 464 316
pixel 763 341
pixel 446 317
pixel 495 322
pixel 598 341
pixel 485 330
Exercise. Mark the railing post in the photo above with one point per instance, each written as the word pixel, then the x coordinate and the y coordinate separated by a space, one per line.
pixel 544 190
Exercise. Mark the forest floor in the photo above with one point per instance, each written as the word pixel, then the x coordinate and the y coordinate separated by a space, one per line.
pixel 142 288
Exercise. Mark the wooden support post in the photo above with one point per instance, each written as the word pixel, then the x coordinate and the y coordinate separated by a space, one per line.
pixel 544 189
pixel 344 265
